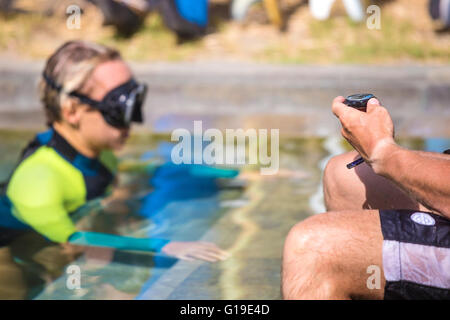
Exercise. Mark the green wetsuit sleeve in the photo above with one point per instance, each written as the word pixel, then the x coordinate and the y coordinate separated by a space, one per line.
pixel 38 201
pixel 117 242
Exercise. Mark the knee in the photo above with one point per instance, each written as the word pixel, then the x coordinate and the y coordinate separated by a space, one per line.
pixel 305 261
pixel 305 238
pixel 336 178
pixel 335 169
pixel 296 245
pixel 300 236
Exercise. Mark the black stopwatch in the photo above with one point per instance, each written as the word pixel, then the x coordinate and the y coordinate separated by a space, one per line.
pixel 359 101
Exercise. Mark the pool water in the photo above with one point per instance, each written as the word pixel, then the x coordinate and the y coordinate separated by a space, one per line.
pixel 249 216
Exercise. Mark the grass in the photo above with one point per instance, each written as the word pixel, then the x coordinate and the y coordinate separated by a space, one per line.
pixel 396 41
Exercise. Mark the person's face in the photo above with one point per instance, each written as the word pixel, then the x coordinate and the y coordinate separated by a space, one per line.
pixel 92 127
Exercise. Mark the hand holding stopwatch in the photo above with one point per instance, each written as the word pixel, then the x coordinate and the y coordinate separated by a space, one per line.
pixel 358 101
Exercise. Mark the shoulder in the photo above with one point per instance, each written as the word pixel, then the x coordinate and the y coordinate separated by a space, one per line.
pixel 44 162
pixel 42 174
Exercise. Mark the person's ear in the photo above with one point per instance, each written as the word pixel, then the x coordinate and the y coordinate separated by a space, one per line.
pixel 71 112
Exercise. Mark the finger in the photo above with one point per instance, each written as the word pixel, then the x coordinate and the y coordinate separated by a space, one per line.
pixel 338 107
pixel 213 254
pixel 226 255
pixel 372 104
pixel 185 258
pixel 222 255
pixel 203 256
pixel 211 247
pixel 207 244
pixel 214 248
pixel 339 99
pixel 350 142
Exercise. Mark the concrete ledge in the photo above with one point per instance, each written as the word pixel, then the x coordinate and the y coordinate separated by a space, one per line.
pixel 295 99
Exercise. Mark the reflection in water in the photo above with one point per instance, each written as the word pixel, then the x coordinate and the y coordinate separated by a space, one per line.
pixel 232 268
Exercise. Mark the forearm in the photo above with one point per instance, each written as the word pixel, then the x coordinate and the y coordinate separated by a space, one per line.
pixel 424 176
pixel 436 155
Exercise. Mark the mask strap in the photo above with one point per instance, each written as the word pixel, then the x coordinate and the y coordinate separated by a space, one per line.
pixel 51 83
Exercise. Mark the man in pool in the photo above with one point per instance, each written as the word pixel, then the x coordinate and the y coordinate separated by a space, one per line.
pixel 90 99
pixel 386 234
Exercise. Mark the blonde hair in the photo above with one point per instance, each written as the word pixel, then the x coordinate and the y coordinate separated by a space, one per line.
pixel 69 68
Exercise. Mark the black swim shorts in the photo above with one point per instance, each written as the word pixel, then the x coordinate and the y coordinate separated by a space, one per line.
pixel 416 255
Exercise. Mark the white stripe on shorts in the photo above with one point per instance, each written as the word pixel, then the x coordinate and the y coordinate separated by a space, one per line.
pixel 426 265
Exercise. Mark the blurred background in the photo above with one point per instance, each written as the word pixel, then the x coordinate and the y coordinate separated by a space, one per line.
pixel 148 30
pixel 269 64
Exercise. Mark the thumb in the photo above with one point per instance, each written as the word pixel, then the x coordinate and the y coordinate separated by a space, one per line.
pixel 372 104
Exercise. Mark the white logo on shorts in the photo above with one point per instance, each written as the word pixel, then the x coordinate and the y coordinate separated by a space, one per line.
pixel 423 219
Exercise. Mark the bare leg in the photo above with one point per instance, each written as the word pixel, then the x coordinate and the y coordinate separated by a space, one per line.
pixel 326 256
pixel 360 188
